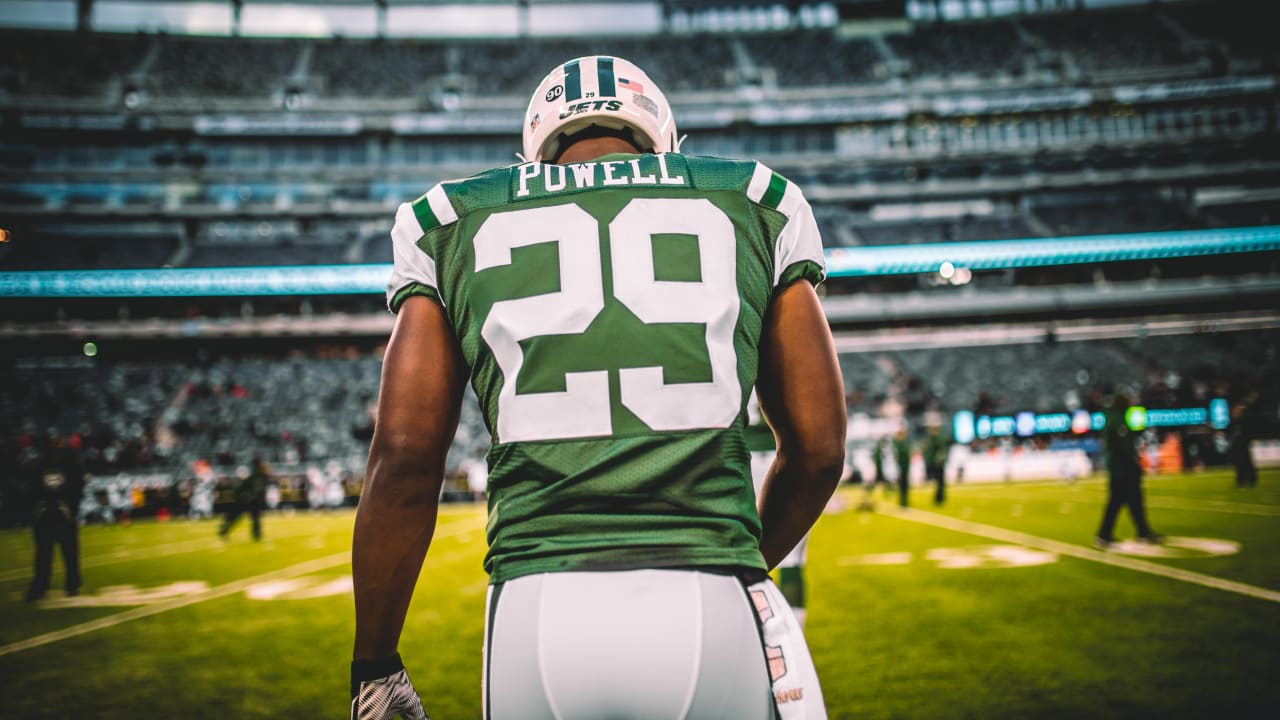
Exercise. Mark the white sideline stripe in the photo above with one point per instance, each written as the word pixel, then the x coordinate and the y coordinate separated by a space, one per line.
pixel 1039 543
pixel 230 588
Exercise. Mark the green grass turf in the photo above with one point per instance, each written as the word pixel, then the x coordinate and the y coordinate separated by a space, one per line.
pixel 1071 638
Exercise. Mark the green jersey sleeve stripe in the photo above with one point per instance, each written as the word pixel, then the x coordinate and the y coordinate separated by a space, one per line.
pixel 773 195
pixel 434 209
pixel 427 219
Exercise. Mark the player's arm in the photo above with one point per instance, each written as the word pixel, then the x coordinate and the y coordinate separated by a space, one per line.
pixel 801 394
pixel 423 377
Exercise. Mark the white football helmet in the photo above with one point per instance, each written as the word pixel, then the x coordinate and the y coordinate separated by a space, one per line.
pixel 603 91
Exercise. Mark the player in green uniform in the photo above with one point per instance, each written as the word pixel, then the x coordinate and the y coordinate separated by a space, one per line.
pixel 612 303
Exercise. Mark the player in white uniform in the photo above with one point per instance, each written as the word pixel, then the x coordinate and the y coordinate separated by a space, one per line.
pixel 613 303
pixel 202 494
pixel 317 487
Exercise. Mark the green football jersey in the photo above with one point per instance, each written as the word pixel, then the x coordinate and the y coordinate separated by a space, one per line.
pixel 610 313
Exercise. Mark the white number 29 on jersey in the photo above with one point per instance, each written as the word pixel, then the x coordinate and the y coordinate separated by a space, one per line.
pixel 582 409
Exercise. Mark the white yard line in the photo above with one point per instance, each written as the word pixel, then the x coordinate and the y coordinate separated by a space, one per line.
pixel 1083 553
pixel 1170 502
pixel 231 588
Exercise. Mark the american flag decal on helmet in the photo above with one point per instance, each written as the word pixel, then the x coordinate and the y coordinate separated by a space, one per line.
pixel 631 85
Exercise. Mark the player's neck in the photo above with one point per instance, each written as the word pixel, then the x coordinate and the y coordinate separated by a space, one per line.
pixel 592 148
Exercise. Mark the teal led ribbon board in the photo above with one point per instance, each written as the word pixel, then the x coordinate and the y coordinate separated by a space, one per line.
pixel 1040 252
pixel 841 262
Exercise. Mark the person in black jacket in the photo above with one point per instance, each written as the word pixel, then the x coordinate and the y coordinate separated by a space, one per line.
pixel 57 481
pixel 1124 471
pixel 902 455
pixel 251 496
pixel 1243 428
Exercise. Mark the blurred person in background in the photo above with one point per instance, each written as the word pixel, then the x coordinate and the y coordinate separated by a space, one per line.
pixel 317 488
pixel 1244 421
pixel 902 458
pixel 335 490
pixel 477 471
pixel 57 481
pixel 612 302
pixel 881 448
pixel 878 453
pixel 1124 472
pixel 1149 442
pixel 205 486
pixel 250 497
pixel 934 449
pixel 272 496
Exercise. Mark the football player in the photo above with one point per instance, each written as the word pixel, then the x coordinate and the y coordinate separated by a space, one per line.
pixel 612 302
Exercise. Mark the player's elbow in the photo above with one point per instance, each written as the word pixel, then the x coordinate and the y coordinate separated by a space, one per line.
pixel 820 459
pixel 404 471
pixel 827 464
pixel 403 449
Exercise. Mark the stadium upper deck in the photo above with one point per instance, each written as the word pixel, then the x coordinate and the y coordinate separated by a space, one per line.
pixel 1187 40
pixel 153 150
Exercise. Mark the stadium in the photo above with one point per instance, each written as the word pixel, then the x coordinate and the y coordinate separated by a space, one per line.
pixel 1023 204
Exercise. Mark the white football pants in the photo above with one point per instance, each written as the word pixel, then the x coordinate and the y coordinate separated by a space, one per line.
pixel 644 644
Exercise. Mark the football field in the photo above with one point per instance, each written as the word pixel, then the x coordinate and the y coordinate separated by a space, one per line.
pixel 992 606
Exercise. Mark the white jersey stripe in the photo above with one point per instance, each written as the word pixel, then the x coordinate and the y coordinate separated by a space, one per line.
pixel 799 239
pixel 759 182
pixel 793 201
pixel 411 265
pixel 440 205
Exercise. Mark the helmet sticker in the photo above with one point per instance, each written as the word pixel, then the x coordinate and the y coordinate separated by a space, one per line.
pixel 582 107
pixel 650 106
pixel 630 85
pixel 555 92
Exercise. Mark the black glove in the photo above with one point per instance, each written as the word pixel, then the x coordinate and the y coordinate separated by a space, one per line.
pixel 380 689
